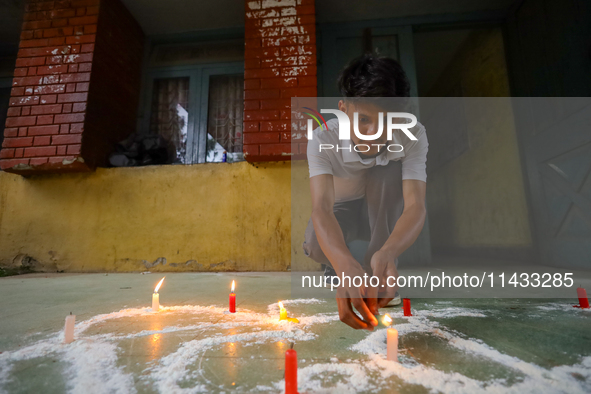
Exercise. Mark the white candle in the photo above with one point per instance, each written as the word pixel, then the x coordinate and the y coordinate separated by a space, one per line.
pixel 156 296
pixel 391 340
pixel 392 344
pixel 155 302
pixel 69 328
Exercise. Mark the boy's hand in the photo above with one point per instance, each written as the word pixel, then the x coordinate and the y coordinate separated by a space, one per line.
pixel 349 296
pixel 383 265
pixel 348 316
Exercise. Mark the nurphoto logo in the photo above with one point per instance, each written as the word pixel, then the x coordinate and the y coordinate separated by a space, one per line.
pixel 392 123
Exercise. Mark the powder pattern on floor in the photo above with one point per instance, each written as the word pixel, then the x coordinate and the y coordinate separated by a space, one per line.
pixel 189 339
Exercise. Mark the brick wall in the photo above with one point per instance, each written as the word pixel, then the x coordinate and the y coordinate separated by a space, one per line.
pixel 75 88
pixel 280 63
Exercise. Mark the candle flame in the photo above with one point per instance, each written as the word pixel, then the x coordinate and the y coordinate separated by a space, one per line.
pixel 158 285
pixel 233 285
pixel 280 305
pixel 387 320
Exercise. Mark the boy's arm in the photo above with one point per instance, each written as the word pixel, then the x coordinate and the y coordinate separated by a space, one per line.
pixel 405 232
pixel 327 228
pixel 332 242
pixel 409 225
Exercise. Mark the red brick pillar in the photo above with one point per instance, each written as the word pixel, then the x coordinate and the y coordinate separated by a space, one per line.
pixel 280 63
pixel 75 88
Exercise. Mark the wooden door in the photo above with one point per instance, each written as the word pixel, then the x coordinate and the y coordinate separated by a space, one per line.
pixel 549 58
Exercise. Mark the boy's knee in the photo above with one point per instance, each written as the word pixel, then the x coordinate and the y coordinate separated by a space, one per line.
pixel 312 249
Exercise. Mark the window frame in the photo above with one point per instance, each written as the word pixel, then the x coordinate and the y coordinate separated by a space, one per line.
pixel 199 75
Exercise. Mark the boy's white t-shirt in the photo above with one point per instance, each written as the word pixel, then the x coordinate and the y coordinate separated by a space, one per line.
pixel 348 168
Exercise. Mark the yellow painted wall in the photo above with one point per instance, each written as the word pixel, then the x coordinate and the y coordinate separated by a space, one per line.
pixel 478 199
pixel 204 217
pixel 301 210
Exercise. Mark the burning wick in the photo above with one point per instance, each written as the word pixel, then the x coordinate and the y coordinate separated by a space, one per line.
pixel 69 328
pixel 392 340
pixel 156 297
pixel 283 314
pixel 233 299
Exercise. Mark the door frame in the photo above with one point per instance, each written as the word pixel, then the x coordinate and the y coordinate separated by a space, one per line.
pixel 405 45
pixel 408 24
pixel 522 86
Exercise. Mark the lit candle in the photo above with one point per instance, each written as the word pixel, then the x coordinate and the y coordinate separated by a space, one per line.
pixel 583 300
pixel 282 312
pixel 406 306
pixel 233 299
pixel 69 328
pixel 156 297
pixel 291 372
pixel 391 341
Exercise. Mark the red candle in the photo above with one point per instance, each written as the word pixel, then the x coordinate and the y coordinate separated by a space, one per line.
pixel 583 300
pixel 291 372
pixel 233 300
pixel 406 306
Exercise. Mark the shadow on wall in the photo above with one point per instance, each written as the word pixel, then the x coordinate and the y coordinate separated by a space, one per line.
pixel 476 198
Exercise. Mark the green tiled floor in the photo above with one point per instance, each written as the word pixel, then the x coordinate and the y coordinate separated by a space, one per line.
pixel 192 345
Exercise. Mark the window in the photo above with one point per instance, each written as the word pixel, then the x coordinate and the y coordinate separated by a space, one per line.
pixel 224 118
pixel 197 111
pixel 169 116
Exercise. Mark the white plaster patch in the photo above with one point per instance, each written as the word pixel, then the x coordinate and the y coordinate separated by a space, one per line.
pixel 278 21
pixel 278 3
pixel 253 5
pixel 289 11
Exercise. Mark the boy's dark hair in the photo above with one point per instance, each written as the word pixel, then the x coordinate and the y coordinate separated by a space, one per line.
pixel 370 75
